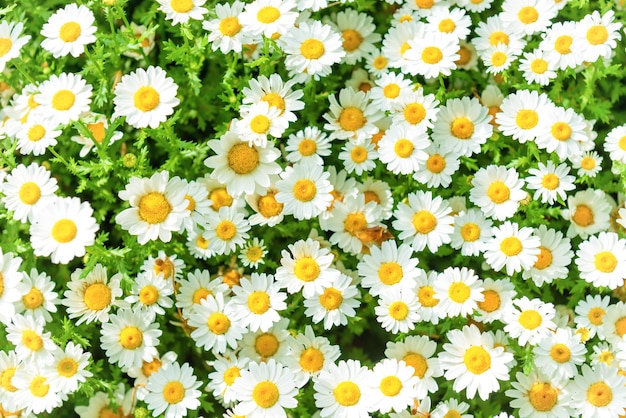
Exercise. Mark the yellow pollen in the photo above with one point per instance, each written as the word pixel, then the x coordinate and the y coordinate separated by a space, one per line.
pixel 583 216
pixel 405 18
pixel 226 230
pixel 355 223
pixel 528 15
pixel 306 269
pixel 38 386
pixel 605 261
pixel 351 40
pixel 131 338
pixel 147 368
pixel 561 131
pixel 511 246
pixel 231 278
pixel 377 137
pixel 242 158
pixel 220 197
pixel 260 124
pixel 218 323
pixel 148 295
pixel 550 181
pixel 173 392
pixel 431 55
pixel 304 190
pixel 36 133
pixel 599 394
pixel 403 148
pixel 265 394
pixel 595 315
pixel 391 91
pixel 331 299
pixel 563 44
pixel 470 232
pixel 164 266
pixel 597 35
pixel 426 296
pixel 544 259
pixel 6 378
pixel 67 367
pixel 539 66
pixel 498 192
pixel 5 46
pixel 620 326
pixel 191 203
pixel 560 353
pixel 588 163
pixel 398 310
pixel 307 147
pixel 230 26
pixel 154 208
pixel 231 374
pixel 526 119
pixel 146 98
pixel 200 294
pixel 269 206
pixel 491 303
pixel 268 14
pixel 418 362
pixel 530 319
pixel 498 37
pixel 266 345
pixel 97 296
pixel 379 62
pixel 33 299
pixel 462 128
pixel 359 154
pixel 452 414
pixel 352 119
pixel 31 340
pixel 201 242
pixel 69 31
pixel 542 397
pixel 274 100
pixel 371 196
pixel 347 393
pixel 606 357
pixel 498 59
pixel 258 302
pixel 31 102
pixel 254 254
pixel 311 360
pixel 97 131
pixel 29 193
pixel 414 113
pixel 63 100
pixel 477 360
pixel 312 49
pixel 436 163
pixel 459 292
pixel 465 55
pixel 447 26
pixel 424 4
pixel 390 273
pixel 390 386
pixel 64 231
pixel 622 143
pixel 424 222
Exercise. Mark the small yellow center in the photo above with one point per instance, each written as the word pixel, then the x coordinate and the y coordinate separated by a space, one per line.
pixel 477 360
pixel 67 367
pixel 560 353
pixel 226 230
pixel 36 132
pixel 542 397
pixel 418 362
pixel 391 91
pixel 563 44
pixel 173 392
pixel 426 296
pixel 269 206
pixel 403 148
pixel 154 208
pixel 29 193
pixel 595 315
pixel 414 113
pixel 218 323
pixel 242 158
pixel 97 131
pixel 33 299
pixel 274 100
pixel 347 393
pixel 63 100
pixel 622 143
pixel 220 197
pixel 306 269
pixel 307 147
pixel 606 357
pixel 331 299
pixel 191 203
pixel 462 128
pixel 230 26
pixel 265 394
pixel 131 338
pixel 459 292
pixel 390 273
pixel 470 232
pixel 266 345
pixel 181 6
pixel 268 14
pixel 200 294
pixel 379 62
pixel 530 319
pixel 605 261
pixel 146 98
pixel 431 55
pixel 447 26
pixel 398 310
pixel 550 181
pixel 312 49
pixel 6 378
pixel 39 386
pixel 351 40
pixel 69 31
pixel 498 37
pixel 231 374
pixel 355 223
pixel 492 301
pixel 304 190
pixel 311 360
pixel 620 326
pixel 561 131
pixel 544 259
pixel 425 4
pixel 539 66
pixel 390 386
pixel 599 394
pixel 465 56
pixel 148 295
pixel 260 124
pixel 31 340
pixel 528 15
pixel 436 163
pixel 352 119
pixel 597 35
pixel 254 254
pixel 64 230
pixel 498 59
pixel 511 246
pixel 165 267
pixel 588 163
pixel 258 302
pixel 526 119
pixel 97 296
pixel 201 242
pixel 147 368
pixel 5 46
pixel 424 222
pixel 498 192
pixel 583 216
pixel 359 154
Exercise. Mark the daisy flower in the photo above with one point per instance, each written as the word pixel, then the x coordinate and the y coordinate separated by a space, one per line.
pixel 25 188
pixel 601 260
pixel 170 266
pixel 97 126
pixel 180 11
pixel 433 55
pixel 387 268
pixel 262 346
pixel 438 168
pixel 529 320
pixel 9 364
pixel 252 253
pixel 554 257
pixel 449 20
pixel 173 391
pixel 308 145
pixel 144 41
pixel 36 135
pixel 359 158
pixel 334 303
pixel 497 191
pixel 536 67
pixel 242 167
pixel 598 392
pixel 145 97
pixel 63 98
pixel 472 361
pixel 198 246
pixel 615 144
pixel 265 390
pixel 228 369
pixel 150 294
pixel 268 211
pixel 459 290
pixel 198 204
pixel 358 34
pixel 10 281
pixel 377 191
pixel 11 41
pixel 340 390
pixel 462 126
pixel 493 32
pixel 590 314
pixel 389 87
pixel 352 117
pixel 471 230
pixel 31 343
pixel 225 31
pixel 257 300
pixel 392 385
pixel 397 310
pixel 550 182
pixel 101 403
pixel 215 324
pixel 258 121
pixel 69 368
pixel 396 43
pixel 415 110
pixel 402 149
pixel 468 57
pixel 451 407
pixel 311 49
pixel 559 354
pixel 197 287
pixel 310 355
pixel 426 221
pixel 597 35
pixel 304 190
pixel 614 323
pixel 38 296
pixel 499 58
pixel 272 18
pixel 588 164
pixel 558 45
pixel 376 63
pixel 475 6
pixel 34 393
pixel 528 16
pixel 147 369
pixel 275 92
pixel 562 131
pixel 129 338
pixel 226 230
pixel 521 114
pixel 588 212
pixel 63 229
pixel 68 30
pixel 605 353
pixel 157 207
pixel 512 247
pixel 497 296
pixel 537 395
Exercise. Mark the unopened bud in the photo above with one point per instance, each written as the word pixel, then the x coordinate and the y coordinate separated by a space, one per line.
pixel 129 160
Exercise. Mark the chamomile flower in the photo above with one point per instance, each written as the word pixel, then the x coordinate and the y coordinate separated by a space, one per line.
pixel 253 252
pixel 550 182
pixel 145 97
pixel 590 314
pixel 598 392
pixel 97 126
pixel 438 168
pixel 272 18
pixel 63 98
pixel 157 207
pixel 387 268
pixel 597 35
pixel 601 260
pixel 529 320
pixel 68 30
pixel 274 91
pixel 63 229
pixel 147 369
pixel 268 211
pixel 449 20
pixel 36 135
pixel 34 393
pixel 559 354
pixel 471 230
pixel 539 395
pixel 494 32
pixel 308 145
pixel 352 117
pixel 512 247
pixel 459 291
pixel 334 303
pixel 497 191
pixel 227 370
pixel 398 310
pixel 27 187
pixel 472 361
pixel 358 34
pixel 588 164
pixel 416 110
pixel 216 327
pixel 528 16
pixel 389 87
pixel 562 131
pixel 537 68
pixel 468 57
pixel 340 390
pixel 474 5
pixel 304 190
pixel 257 301
pixel 258 122
pixel 144 41
pixel 10 281
pixel 392 385
pixel 614 323
pixel 521 114
pixel 425 222
pixel 180 11
pixel 359 158
pixel 432 56
pixel 558 45
pixel 310 355
pixel 311 49
pixel 69 368
pixel 588 212
pixel 38 296
pixel 150 294
pixel 497 296
pixel 9 364
pixel 170 266
pixel 605 353
pixel 402 149
pixel 173 391
pixel 31 343
pixel 130 338
pixel 615 144
pixel 198 246
pixel 554 257
pixel 225 31
pixel 226 230
pixel 396 43
pixel 499 58
pixel 377 191
pixel 11 41
pixel 195 288
pixel 262 346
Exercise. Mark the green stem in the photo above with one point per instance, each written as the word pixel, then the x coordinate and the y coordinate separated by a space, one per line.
pixel 26 75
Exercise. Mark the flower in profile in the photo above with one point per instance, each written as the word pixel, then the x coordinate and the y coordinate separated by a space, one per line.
pixel 615 144
pixel 145 97
pixel 10 279
pixel 173 391
pixel 25 188
pixel 180 11
pixel 68 30
pixel 10 41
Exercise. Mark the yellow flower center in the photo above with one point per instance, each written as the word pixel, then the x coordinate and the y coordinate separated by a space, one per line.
pixel 390 386
pixel 390 273
pixel 398 310
pixel 166 267
pixel 33 299
pixel 29 193
pixel 355 222
pixel 620 326
pixel 347 393
pixel 5 46
pixel 6 378
pixel 181 6
pixel 69 31
pixel 465 55
pixel 268 14
pixel 36 132
pixel 379 62
pixel 231 374
pixel 39 386
pixel 605 261
pixel 258 302
pixel 306 269
pixel 597 35
pixel 226 230
pixel 147 368
pixel 201 242
pixel 459 292
pixel 462 128
pixel 312 49
pixel 97 131
pixel 200 294
pixel 63 100
pixel 146 98
pixel 561 131
pixel 311 360
pixel 148 295
pixel 477 360
pixel 498 192
pixel 424 222
pixel 539 66
pixel 498 37
pixel 230 26
pixel 544 259
pixel 219 323
pixel 307 147
pixel 67 367
pixel 491 303
pixel 32 340
pixel 154 208
pixel 220 197
pixel 274 100
pixel 242 158
pixel 266 345
pixel 530 319
pixel 511 246
pixel 426 296
pixel 403 148
pixel 528 15
pixel 595 315
pixel 254 254
pixel 265 394
pixel 424 4
pixel 304 190
pixel 560 353
pixel 436 163
pixel 418 362
pixel 588 163
pixel 405 18
pixel 606 357
pixel 498 59
pixel 351 40
pixel 269 206
pixel 550 181
pixel 431 55
pixel 447 26
pixel 622 143
pixel 414 113
pixel 526 119
pixel 191 203
pixel 331 299
pixel 391 91
pixel 64 230
pixel 173 392
pixel 352 119
pixel 260 124
pixel 542 397
pixel 583 215
pixel 599 394
pixel 563 44
pixel 131 338
pixel 470 232
pixel 358 154
pixel 97 296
